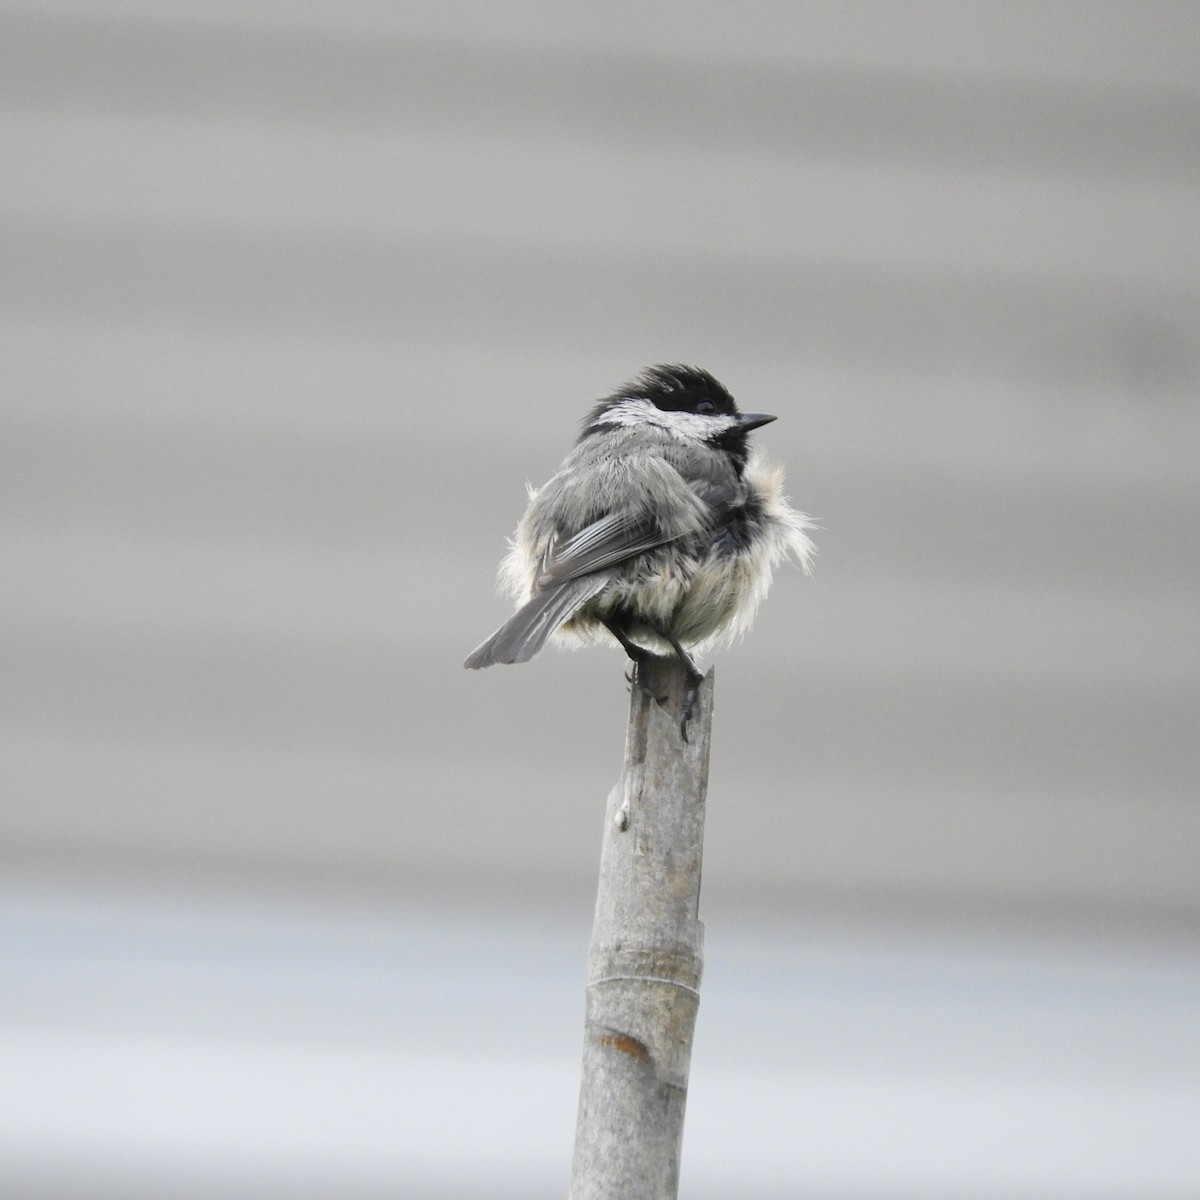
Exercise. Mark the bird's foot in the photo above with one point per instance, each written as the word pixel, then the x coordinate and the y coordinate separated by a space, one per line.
pixel 694 680
pixel 634 678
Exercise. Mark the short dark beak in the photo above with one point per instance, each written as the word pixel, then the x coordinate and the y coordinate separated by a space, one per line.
pixel 749 421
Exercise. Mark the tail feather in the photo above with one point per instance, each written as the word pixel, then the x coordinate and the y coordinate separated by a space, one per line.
pixel 526 631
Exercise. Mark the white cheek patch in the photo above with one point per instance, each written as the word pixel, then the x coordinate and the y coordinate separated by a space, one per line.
pixel 694 426
pixel 630 412
pixel 683 425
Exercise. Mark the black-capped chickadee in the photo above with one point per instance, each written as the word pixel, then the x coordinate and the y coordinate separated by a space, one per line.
pixel 658 529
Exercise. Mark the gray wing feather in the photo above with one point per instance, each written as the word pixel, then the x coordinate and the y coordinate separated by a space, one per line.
pixel 526 631
pixel 602 544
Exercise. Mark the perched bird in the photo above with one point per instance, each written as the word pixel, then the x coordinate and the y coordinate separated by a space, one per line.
pixel 658 530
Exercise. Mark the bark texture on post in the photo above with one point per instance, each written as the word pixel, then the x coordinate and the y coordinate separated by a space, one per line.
pixel 647 952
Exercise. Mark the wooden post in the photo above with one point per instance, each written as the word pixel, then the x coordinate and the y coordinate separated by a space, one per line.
pixel 647 952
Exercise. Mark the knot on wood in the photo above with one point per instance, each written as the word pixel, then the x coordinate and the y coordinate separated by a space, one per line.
pixel 626 1043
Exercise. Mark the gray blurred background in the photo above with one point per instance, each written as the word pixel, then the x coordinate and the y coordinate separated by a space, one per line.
pixel 296 296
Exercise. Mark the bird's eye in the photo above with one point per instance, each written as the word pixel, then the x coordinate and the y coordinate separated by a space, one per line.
pixel 706 408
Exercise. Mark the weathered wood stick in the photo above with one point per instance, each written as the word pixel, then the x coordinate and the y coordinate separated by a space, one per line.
pixel 647 951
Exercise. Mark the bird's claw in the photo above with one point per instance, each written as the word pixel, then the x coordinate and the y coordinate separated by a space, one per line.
pixel 685 714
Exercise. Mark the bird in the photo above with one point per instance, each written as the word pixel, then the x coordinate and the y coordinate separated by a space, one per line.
pixel 660 530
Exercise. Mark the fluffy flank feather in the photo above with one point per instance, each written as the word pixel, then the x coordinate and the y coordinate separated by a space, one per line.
pixel 791 526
